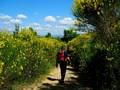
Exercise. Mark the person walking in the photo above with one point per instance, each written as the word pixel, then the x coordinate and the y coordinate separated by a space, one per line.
pixel 62 58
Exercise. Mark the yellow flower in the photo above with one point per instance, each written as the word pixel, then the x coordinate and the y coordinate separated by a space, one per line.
pixel 1 66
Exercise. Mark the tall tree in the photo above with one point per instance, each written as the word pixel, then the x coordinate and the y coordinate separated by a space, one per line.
pixel 69 34
pixel 48 35
pixel 32 30
pixel 101 13
pixel 17 27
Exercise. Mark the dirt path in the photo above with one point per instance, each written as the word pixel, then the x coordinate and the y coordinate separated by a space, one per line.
pixel 51 82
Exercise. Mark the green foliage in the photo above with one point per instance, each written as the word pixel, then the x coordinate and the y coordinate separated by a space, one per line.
pixel 69 34
pixel 101 13
pixel 81 48
pixel 17 27
pixel 25 56
pixel 103 69
pixel 95 10
pixel 48 35
pixel 97 64
pixel 115 56
pixel 26 34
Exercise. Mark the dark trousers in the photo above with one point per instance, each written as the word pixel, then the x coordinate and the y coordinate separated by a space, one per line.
pixel 63 66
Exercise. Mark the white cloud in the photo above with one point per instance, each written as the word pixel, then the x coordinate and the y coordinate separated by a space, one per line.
pixel 60 27
pixel 47 28
pixel 14 21
pixel 48 25
pixel 53 28
pixel 38 28
pixel 21 16
pixel 66 21
pixel 5 18
pixel 49 19
pixel 35 24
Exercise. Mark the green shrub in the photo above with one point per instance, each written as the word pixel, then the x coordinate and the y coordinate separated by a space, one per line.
pixel 25 56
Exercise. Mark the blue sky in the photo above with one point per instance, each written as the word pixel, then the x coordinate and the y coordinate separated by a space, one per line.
pixel 43 15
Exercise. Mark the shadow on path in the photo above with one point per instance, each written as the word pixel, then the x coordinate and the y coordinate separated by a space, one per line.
pixel 52 79
pixel 72 83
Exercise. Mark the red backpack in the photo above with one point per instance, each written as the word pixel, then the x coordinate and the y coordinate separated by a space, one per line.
pixel 61 56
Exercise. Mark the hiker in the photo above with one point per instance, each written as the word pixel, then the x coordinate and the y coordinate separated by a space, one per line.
pixel 62 58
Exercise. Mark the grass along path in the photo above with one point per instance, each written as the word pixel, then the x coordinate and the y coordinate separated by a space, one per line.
pixel 50 82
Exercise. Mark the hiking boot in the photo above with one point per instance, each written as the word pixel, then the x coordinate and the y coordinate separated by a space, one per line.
pixel 61 81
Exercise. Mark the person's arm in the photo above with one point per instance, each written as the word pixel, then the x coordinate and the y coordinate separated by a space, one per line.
pixel 67 58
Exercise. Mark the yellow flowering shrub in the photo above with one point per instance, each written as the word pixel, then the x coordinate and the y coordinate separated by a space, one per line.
pixel 80 48
pixel 25 56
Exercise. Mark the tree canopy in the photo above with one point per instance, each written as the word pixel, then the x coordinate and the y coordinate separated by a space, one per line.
pixel 103 14
pixel 69 34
